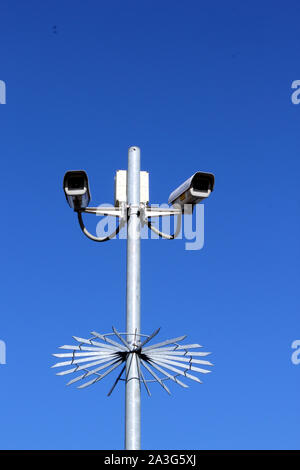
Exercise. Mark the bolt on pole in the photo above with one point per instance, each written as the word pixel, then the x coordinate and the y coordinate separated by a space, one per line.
pixel 132 384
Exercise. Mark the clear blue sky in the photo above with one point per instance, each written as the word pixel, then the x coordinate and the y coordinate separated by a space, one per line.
pixel 198 86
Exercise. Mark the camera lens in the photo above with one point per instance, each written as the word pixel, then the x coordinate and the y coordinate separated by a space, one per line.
pixel 76 182
pixel 201 184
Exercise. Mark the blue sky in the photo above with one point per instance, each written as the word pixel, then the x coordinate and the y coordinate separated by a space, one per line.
pixel 198 86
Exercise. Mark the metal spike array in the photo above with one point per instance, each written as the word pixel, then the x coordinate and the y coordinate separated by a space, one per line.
pixel 98 359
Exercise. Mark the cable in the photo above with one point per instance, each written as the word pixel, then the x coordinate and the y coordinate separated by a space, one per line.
pixel 92 237
pixel 166 235
pixel 113 234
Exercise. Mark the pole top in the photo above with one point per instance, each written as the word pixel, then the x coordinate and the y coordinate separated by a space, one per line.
pixel 134 148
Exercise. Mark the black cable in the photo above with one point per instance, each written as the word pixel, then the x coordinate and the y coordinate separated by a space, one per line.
pixel 92 237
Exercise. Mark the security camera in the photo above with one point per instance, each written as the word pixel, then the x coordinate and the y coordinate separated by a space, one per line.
pixel 76 188
pixel 195 189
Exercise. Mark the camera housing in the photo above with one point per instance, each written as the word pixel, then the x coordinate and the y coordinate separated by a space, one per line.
pixel 76 188
pixel 198 187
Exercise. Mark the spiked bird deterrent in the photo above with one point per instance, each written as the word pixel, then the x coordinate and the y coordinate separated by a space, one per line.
pixel 100 355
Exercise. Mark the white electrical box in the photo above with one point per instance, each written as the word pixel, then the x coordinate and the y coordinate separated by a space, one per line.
pixel 121 187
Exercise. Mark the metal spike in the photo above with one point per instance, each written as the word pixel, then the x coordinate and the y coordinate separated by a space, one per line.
pixel 79 361
pixel 121 339
pixel 87 348
pixel 93 371
pixel 142 376
pixel 80 377
pixel 110 341
pixel 108 346
pixel 91 382
pixel 163 343
pixel 92 342
pixel 184 366
pixel 179 353
pixel 82 340
pixel 169 375
pixel 155 376
pixel 178 347
pixel 85 366
pixel 190 360
pixel 86 384
pixel 150 337
pixel 116 381
pixel 81 354
pixel 186 374
pixel 129 367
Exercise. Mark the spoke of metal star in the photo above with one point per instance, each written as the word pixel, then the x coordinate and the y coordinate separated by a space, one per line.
pixel 100 355
pixel 168 341
pixel 186 366
pixel 96 343
pixel 85 366
pixel 178 371
pixel 181 359
pixel 150 337
pixel 166 363
pixel 108 340
pixel 83 348
pixel 172 377
pixel 156 377
pixel 122 339
pixel 142 376
pixel 91 382
pixel 130 359
pixel 86 359
pixel 88 372
pixel 116 381
pixel 179 353
pixel 177 347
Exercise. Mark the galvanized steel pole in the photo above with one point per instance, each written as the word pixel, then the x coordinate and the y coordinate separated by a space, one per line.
pixel 132 387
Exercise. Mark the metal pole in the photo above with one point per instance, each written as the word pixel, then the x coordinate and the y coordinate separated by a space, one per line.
pixel 133 392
